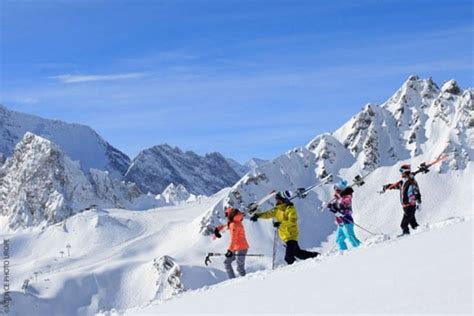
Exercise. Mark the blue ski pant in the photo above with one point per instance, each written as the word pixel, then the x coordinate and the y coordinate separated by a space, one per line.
pixel 346 231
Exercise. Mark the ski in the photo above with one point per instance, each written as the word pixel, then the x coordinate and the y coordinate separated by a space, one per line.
pixel 252 207
pixel 302 193
pixel 357 181
pixel 423 168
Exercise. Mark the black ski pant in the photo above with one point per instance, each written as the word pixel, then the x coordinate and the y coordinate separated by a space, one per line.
pixel 408 219
pixel 293 250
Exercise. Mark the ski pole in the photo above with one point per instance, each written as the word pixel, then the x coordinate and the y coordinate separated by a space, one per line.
pixel 364 229
pixel 361 227
pixel 274 248
pixel 208 257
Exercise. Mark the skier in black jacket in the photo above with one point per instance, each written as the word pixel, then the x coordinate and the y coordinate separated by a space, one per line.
pixel 410 197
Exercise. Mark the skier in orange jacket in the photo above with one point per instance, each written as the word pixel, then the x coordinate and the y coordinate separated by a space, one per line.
pixel 238 242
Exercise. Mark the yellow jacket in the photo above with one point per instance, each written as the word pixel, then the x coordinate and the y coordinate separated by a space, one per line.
pixel 288 218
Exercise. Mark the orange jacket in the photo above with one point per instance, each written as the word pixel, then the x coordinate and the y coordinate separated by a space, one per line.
pixel 237 232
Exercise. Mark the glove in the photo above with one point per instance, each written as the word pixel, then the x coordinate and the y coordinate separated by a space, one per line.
pixel 325 205
pixel 418 207
pixel 384 187
pixel 217 233
pixel 254 217
pixel 276 224
pixel 229 254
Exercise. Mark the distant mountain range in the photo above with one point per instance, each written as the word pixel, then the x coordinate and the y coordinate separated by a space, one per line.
pixel 50 170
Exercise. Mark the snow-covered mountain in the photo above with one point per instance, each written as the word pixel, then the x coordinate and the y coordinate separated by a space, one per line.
pixel 176 194
pixel 131 259
pixel 79 142
pixel 250 165
pixel 39 184
pixel 241 170
pixel 155 168
pixel 418 123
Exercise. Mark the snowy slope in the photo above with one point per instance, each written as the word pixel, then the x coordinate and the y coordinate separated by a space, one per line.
pixel 79 142
pixel 155 168
pixel 113 268
pixel 122 264
pixel 430 272
pixel 111 262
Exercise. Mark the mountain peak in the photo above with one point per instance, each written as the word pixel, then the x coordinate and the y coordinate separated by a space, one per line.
pixel 175 194
pixel 41 184
pixel 452 87
pixel 79 142
pixel 155 168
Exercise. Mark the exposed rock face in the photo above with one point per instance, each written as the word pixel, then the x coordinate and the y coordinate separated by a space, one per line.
pixel 40 184
pixel 155 168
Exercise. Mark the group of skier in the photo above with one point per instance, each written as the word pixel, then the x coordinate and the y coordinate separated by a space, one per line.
pixel 285 220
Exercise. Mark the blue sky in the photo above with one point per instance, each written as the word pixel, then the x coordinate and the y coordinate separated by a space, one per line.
pixel 246 78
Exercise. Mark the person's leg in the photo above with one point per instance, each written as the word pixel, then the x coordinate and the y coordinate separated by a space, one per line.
pixel 350 234
pixel 241 261
pixel 341 237
pixel 291 246
pixel 405 222
pixel 228 267
pixel 411 214
pixel 304 254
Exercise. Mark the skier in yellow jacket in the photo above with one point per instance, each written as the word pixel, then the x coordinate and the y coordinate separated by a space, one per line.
pixel 287 223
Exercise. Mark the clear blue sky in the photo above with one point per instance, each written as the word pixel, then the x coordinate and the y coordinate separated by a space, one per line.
pixel 246 78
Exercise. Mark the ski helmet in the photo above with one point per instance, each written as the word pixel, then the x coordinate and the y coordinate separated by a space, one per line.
pixel 283 196
pixel 341 185
pixel 406 168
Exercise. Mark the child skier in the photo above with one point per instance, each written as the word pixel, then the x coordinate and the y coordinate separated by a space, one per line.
pixel 238 243
pixel 342 207
pixel 410 197
pixel 287 223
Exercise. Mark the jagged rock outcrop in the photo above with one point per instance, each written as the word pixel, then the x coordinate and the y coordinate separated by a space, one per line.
pixel 169 278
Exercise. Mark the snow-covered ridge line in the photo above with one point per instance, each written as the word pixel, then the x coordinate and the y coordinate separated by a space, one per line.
pixel 79 142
